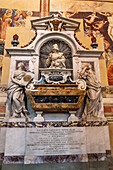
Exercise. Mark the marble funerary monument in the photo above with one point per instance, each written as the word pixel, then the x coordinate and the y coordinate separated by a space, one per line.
pixel 54 100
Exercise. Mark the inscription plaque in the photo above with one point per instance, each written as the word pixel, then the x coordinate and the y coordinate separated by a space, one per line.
pixel 55 141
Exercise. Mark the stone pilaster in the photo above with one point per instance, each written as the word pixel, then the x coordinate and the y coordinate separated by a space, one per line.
pixel 44 8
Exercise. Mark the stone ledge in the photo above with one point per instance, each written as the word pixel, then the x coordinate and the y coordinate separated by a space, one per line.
pixel 108 100
pixel 108 114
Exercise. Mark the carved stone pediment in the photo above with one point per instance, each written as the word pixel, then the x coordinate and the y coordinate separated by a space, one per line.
pixel 55 23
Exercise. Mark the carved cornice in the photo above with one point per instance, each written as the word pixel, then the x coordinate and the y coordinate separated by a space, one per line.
pixel 48 23
pixel 15 51
pixel 90 53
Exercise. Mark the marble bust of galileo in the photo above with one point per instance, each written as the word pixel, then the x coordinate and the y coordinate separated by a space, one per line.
pixel 56 59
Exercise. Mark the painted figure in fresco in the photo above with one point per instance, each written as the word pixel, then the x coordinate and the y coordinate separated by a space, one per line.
pixel 92 18
pixel 93 89
pixel 56 59
pixel 99 24
pixel 19 18
pixel 7 17
pixel 110 72
pixel 5 20
pixel 15 92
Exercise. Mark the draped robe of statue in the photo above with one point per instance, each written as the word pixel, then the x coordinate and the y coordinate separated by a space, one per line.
pixel 15 94
pixel 93 89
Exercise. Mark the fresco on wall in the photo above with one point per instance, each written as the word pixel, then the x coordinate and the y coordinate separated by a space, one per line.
pixel 1 59
pixel 12 18
pixel 97 20
pixel 98 24
pixel 95 23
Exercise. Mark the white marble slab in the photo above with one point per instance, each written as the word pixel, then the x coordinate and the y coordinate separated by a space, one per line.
pixel 108 100
pixel 2 139
pixel 22 119
pixel 107 139
pixel 15 141
pixel 95 140
pixel 55 141
pixel 56 117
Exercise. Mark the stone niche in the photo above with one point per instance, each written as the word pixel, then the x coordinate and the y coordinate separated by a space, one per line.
pixel 58 136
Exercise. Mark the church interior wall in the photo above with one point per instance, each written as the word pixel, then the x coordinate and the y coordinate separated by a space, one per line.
pixel 94 16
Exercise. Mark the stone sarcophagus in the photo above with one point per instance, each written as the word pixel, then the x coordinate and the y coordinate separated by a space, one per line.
pixel 56 98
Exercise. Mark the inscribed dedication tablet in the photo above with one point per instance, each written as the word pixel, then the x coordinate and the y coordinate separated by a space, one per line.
pixel 55 141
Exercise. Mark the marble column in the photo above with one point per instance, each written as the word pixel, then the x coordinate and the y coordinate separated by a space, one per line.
pixel 44 8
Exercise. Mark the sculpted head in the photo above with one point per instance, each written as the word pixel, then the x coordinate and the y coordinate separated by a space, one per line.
pixel 55 47
pixel 87 66
pixel 21 66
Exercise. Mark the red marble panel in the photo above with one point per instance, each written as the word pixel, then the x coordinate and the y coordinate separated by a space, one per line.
pixel 2 109
pixel 108 109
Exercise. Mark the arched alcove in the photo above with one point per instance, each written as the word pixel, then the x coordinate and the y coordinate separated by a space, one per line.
pixel 46 49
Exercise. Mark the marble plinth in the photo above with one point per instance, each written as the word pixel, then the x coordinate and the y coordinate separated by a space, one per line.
pixel 39 117
pixel 2 139
pixel 48 142
pixel 56 117
pixel 72 117
pixel 95 140
pixel 10 119
pixel 15 141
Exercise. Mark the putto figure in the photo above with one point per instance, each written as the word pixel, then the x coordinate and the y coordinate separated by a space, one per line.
pixel 56 59
pixel 15 92
pixel 93 88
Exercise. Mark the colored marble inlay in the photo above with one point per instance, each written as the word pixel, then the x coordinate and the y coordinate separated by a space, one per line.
pixel 55 91
pixel 108 109
pixel 108 153
pixel 13 159
pixel 56 159
pixel 2 109
pixel 1 156
pixel 97 157
pixel 54 124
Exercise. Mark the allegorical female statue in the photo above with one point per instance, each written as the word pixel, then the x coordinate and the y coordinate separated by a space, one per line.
pixel 56 59
pixel 15 92
pixel 93 89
